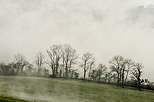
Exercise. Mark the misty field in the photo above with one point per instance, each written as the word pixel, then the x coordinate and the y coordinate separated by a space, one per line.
pixel 60 90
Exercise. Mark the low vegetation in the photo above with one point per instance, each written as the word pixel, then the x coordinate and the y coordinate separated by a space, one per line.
pixel 10 99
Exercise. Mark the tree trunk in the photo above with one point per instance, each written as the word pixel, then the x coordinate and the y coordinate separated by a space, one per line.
pixel 99 79
pixel 127 74
pixel 84 75
pixel 66 68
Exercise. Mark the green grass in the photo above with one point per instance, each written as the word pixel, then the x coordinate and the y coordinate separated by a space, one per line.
pixel 10 99
pixel 60 90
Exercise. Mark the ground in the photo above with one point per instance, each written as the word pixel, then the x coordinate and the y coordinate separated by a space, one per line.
pixel 60 90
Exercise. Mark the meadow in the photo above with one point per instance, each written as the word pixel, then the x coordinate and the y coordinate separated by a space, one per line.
pixel 30 89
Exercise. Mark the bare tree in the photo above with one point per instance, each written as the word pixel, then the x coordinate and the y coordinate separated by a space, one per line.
pixel 29 69
pixel 55 54
pixel 91 67
pixel 20 62
pixel 137 72
pixel 108 77
pixel 87 62
pixel 122 73
pixel 69 58
pixel 3 70
pixel 100 71
pixel 39 61
pixel 94 74
pixel 129 64
pixel 117 64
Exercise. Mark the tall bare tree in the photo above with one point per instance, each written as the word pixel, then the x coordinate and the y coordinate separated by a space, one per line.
pixel 87 62
pixel 137 72
pixel 39 62
pixel 20 61
pixel 117 64
pixel 129 65
pixel 69 58
pixel 55 54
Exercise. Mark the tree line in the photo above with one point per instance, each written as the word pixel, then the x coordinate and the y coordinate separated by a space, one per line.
pixel 64 62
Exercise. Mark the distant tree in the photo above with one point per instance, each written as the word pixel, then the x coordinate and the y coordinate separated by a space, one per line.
pixel 117 63
pixel 45 72
pixel 11 68
pixel 69 57
pixel 87 62
pixel 72 73
pixel 108 77
pixel 39 62
pixel 114 77
pixel 6 69
pixel 93 74
pixel 91 68
pixel 137 72
pixel 29 69
pixel 100 71
pixel 3 70
pixel 76 75
pixel 129 65
pixel 61 68
pixel 55 54
pixel 20 61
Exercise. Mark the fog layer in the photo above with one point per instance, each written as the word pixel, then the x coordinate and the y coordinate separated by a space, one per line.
pixel 104 27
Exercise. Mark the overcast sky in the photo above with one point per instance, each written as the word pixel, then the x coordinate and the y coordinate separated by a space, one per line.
pixel 104 27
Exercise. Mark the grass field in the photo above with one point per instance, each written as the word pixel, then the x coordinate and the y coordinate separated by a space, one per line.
pixel 59 90
pixel 10 99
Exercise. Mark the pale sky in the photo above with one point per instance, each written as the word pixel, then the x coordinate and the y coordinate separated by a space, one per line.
pixel 104 27
pixel 145 2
